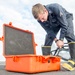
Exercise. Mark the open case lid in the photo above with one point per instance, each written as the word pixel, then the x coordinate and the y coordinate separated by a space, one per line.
pixel 18 41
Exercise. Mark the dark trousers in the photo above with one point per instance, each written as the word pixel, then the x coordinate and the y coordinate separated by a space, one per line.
pixel 70 37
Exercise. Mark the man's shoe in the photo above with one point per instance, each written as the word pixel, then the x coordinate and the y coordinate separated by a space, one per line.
pixel 70 65
pixel 46 50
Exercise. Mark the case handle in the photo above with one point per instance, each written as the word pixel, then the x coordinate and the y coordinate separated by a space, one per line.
pixel 48 59
pixel 43 59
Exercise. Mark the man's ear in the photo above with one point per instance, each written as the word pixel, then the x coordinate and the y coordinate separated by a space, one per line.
pixel 45 10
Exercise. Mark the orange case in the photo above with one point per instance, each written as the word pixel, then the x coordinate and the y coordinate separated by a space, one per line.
pixel 32 63
pixel 15 40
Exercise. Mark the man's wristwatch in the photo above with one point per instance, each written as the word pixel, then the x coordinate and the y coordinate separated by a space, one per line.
pixel 61 39
pixel 56 41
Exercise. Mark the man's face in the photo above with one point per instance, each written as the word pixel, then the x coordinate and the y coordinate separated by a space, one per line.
pixel 43 16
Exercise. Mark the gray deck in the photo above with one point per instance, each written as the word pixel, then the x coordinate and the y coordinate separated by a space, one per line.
pixel 62 72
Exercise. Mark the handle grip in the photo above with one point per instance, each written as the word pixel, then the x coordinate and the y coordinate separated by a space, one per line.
pixel 48 59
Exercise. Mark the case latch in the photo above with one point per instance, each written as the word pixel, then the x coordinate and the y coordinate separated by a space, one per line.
pixel 15 58
pixel 10 23
pixel 1 38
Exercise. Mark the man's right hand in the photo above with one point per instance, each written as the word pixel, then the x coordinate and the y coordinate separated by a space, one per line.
pixel 60 43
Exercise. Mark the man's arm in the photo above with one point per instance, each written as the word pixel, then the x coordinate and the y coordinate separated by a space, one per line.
pixel 51 34
pixel 59 12
pixel 49 30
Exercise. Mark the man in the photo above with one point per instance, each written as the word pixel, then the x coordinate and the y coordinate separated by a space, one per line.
pixel 52 18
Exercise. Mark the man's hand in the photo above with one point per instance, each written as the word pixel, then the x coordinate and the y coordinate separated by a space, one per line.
pixel 60 43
